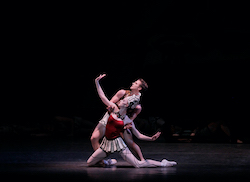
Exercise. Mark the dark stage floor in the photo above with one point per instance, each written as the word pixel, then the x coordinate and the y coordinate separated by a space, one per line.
pixel 65 159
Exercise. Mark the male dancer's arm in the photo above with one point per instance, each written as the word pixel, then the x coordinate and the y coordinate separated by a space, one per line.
pixel 136 111
pixel 118 96
pixel 115 99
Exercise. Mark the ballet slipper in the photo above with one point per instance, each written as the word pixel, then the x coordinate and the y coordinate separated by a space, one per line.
pixel 166 163
pixel 110 162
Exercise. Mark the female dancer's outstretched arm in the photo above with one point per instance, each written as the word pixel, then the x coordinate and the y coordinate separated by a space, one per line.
pixel 129 124
pixel 101 93
pixel 144 137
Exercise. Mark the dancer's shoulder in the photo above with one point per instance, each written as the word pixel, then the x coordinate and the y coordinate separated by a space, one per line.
pixel 121 93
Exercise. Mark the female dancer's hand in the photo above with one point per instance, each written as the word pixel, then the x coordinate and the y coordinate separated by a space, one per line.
pixel 100 77
pixel 154 137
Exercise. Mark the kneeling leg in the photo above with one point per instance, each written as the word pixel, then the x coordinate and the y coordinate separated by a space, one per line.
pixel 97 156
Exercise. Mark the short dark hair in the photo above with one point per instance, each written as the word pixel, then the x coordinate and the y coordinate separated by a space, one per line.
pixel 144 85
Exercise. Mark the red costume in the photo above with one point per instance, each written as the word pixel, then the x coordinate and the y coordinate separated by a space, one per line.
pixel 113 128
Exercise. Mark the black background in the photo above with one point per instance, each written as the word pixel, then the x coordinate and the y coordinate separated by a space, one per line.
pixel 194 55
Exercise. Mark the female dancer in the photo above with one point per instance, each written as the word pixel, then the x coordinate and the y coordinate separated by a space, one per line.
pixel 134 108
pixel 113 142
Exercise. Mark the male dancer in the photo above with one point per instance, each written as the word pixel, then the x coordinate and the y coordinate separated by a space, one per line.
pixel 135 92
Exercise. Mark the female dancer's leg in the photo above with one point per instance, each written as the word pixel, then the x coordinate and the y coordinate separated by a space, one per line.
pixel 97 156
pixel 130 158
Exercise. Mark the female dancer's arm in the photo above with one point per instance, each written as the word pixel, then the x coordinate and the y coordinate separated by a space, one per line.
pixel 101 93
pixel 139 135
pixel 144 137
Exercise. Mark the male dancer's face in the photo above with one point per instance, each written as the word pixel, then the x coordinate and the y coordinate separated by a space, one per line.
pixel 136 85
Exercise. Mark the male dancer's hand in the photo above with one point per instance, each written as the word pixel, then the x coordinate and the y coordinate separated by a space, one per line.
pixel 110 109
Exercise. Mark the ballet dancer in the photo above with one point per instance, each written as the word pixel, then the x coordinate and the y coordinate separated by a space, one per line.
pixel 113 142
pixel 134 109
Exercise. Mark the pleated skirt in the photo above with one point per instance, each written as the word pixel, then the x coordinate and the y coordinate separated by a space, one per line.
pixel 111 146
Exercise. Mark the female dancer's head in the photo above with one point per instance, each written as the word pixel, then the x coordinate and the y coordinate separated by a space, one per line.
pixel 123 103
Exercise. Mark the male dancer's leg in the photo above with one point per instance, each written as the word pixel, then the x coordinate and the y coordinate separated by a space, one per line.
pixel 97 156
pixel 97 134
pixel 132 145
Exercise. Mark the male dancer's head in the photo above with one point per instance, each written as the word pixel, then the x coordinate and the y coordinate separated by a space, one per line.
pixel 138 86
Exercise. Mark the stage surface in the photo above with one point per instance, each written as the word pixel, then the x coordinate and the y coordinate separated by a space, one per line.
pixel 65 160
